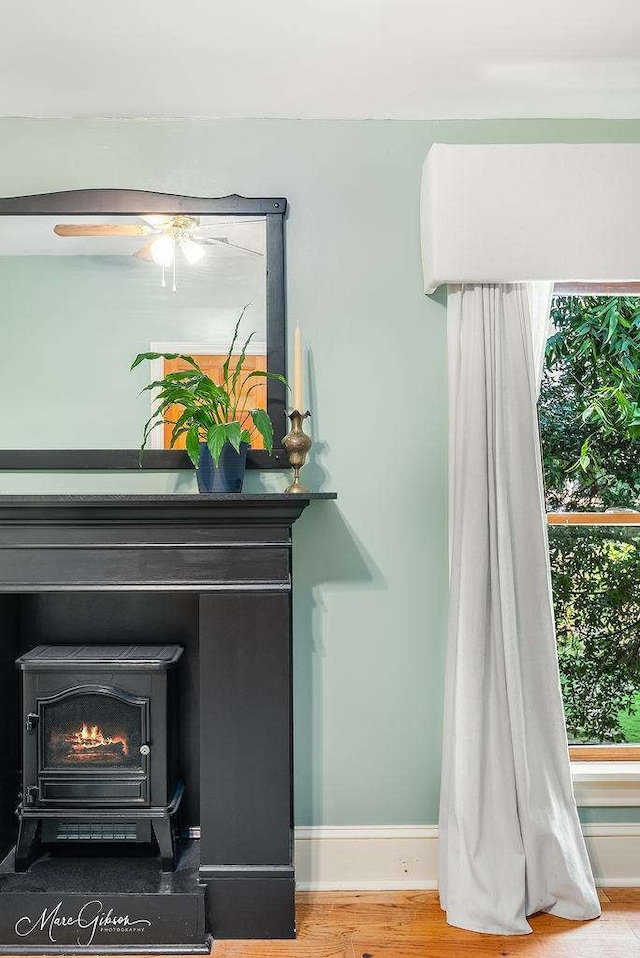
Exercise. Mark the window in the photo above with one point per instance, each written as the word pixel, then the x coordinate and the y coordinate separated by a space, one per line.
pixel 590 430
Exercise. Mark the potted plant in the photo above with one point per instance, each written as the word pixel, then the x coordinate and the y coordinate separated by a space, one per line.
pixel 215 421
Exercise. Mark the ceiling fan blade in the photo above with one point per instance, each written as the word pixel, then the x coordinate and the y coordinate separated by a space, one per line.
pixel 157 220
pixel 145 251
pixel 100 229
pixel 211 241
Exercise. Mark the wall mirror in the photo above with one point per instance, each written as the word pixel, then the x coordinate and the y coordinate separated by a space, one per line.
pixel 89 279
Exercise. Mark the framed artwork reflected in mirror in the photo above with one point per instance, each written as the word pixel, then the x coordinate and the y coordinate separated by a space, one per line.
pixel 210 357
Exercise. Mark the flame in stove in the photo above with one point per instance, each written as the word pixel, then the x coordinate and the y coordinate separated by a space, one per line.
pixel 92 737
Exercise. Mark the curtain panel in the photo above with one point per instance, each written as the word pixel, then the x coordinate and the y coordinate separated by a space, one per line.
pixel 511 842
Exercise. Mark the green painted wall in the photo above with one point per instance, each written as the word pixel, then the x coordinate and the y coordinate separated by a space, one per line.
pixel 371 572
pixel 77 322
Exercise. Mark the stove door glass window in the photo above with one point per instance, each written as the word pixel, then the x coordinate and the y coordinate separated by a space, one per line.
pixel 93 730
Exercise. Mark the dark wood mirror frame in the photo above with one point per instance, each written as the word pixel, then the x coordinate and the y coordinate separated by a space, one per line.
pixel 134 202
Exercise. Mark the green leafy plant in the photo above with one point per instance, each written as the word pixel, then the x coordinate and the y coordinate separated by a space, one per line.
pixel 215 413
pixel 590 403
pixel 596 594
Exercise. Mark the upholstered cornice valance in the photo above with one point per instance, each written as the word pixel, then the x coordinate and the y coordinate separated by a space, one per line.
pixel 513 213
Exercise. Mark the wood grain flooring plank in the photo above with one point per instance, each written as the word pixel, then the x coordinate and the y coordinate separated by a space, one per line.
pixel 412 925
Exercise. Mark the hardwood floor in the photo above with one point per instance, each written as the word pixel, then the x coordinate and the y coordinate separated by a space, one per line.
pixel 412 925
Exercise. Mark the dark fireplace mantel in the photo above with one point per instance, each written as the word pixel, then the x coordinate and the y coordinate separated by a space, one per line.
pixel 213 573
pixel 202 542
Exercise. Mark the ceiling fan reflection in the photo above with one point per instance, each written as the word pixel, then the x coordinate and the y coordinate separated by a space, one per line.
pixel 167 235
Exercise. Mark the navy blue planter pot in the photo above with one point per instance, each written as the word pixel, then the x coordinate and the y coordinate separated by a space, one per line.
pixel 228 475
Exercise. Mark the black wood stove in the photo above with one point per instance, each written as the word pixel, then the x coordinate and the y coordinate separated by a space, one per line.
pixel 99 756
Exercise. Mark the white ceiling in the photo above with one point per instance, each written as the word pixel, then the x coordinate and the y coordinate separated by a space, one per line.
pixel 320 58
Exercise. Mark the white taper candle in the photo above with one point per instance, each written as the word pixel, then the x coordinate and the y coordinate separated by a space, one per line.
pixel 297 369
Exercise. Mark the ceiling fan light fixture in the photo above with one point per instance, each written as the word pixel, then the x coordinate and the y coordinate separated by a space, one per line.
pixel 163 250
pixel 192 252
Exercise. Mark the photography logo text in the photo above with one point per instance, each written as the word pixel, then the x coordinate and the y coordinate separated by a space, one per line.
pixel 90 919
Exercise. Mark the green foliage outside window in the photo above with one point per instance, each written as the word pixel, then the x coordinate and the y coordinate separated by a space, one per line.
pixel 597 606
pixel 590 430
pixel 590 404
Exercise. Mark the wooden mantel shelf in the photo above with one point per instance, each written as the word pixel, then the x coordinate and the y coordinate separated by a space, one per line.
pixel 208 509
pixel 197 542
pixel 170 497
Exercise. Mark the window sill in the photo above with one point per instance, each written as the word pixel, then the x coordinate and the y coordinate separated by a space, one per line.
pixel 606 783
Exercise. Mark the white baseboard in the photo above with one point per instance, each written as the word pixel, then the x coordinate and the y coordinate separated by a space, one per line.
pixel 376 858
pixel 614 851
pixel 366 858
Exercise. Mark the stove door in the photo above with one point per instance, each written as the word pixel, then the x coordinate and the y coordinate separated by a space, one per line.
pixel 93 747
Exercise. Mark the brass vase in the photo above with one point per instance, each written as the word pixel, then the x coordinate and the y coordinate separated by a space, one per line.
pixel 297 444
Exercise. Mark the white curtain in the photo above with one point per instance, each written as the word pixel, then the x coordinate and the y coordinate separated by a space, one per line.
pixel 510 837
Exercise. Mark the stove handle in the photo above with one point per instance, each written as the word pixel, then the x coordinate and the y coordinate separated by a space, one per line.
pixel 31 723
pixel 145 749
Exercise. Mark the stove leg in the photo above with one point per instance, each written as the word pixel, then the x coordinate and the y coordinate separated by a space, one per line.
pixel 25 844
pixel 164 836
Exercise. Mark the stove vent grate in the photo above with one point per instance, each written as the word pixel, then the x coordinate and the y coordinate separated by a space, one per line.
pixel 95 832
